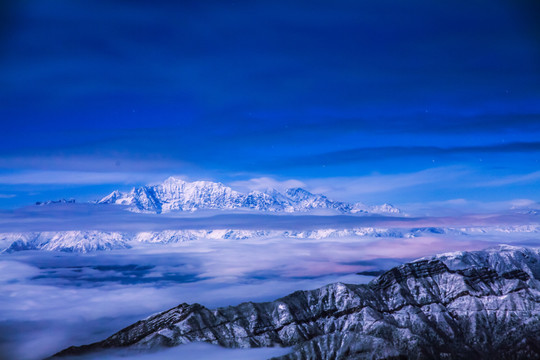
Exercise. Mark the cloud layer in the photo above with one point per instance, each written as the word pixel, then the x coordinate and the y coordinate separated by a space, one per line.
pixel 53 300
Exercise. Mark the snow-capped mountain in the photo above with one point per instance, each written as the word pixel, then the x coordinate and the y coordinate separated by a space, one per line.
pixel 465 305
pixel 503 259
pixel 177 195
pixel 67 241
pixel 88 241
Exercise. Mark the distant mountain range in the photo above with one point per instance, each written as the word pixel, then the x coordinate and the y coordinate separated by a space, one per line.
pixel 462 305
pixel 61 201
pixel 85 241
pixel 177 195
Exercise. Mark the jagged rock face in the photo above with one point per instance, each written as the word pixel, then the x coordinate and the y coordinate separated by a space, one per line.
pixel 454 306
pixel 178 195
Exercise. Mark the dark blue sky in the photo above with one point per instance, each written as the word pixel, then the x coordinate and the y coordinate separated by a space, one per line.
pixel 401 101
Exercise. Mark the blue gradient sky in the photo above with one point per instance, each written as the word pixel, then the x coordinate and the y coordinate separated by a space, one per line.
pixel 375 101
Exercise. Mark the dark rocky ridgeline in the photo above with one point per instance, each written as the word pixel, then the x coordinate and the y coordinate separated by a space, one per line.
pixel 439 308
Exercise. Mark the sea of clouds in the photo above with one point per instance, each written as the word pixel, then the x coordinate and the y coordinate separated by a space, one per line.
pixel 52 300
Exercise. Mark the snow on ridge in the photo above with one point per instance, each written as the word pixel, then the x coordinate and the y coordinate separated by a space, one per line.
pixel 178 195
pixel 67 241
pixel 503 258
pixel 88 241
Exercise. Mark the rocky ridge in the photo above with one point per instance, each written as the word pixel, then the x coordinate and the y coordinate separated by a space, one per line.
pixel 463 305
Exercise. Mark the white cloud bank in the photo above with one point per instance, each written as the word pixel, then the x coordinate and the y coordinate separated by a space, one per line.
pixel 265 183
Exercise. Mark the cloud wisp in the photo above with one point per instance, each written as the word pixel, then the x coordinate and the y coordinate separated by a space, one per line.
pixel 266 183
pixel 354 187
pixel 77 178
pixel 514 179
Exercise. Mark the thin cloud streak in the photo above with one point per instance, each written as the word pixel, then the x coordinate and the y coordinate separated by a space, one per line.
pixel 89 162
pixel 460 207
pixel 77 178
pixel 514 179
pixel 265 183
pixel 351 187
pixel 386 152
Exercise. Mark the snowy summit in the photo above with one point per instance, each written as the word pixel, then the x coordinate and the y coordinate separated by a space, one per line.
pixel 178 195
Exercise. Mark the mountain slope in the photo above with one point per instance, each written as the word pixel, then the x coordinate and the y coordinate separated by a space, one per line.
pixel 177 195
pixel 453 306
pixel 88 241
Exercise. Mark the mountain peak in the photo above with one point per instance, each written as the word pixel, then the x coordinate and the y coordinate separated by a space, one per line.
pixel 175 194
